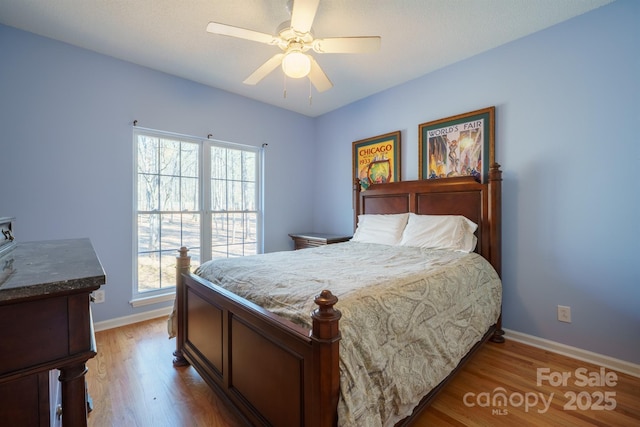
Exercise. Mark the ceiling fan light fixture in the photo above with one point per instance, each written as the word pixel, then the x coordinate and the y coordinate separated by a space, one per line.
pixel 296 64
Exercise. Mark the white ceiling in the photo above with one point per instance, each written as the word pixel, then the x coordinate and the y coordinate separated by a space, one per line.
pixel 418 36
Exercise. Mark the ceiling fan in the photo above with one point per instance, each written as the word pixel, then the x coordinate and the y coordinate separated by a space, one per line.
pixel 295 38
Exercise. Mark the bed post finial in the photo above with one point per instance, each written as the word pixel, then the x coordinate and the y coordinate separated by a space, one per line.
pixel 326 339
pixel 183 266
pixel 183 262
pixel 325 317
pixel 325 301
pixel 356 185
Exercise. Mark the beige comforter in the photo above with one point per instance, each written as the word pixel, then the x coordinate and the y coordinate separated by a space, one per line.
pixel 408 315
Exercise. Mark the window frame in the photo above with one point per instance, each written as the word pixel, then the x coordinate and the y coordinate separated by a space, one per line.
pixel 203 208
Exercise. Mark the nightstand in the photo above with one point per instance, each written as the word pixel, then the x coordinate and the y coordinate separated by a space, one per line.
pixel 310 240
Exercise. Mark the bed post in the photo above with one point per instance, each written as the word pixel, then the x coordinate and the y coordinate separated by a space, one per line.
pixel 495 238
pixel 495 216
pixel 326 336
pixel 356 201
pixel 183 266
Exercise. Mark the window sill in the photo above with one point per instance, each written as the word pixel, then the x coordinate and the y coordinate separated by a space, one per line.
pixel 142 301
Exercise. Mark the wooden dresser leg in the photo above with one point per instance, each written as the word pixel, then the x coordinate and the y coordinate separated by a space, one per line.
pixel 74 395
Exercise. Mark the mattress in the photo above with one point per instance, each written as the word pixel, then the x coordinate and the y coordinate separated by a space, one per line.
pixel 409 315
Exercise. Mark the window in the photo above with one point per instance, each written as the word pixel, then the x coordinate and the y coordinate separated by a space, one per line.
pixel 202 194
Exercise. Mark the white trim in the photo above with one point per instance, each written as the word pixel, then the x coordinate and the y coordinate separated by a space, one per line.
pixel 575 353
pixel 134 318
pixel 139 302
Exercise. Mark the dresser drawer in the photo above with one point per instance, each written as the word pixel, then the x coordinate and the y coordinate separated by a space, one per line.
pixel 38 333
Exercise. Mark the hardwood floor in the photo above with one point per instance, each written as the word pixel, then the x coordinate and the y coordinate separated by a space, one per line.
pixel 132 383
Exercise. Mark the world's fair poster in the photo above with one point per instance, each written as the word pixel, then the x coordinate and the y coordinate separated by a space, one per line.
pixel 461 145
pixel 377 160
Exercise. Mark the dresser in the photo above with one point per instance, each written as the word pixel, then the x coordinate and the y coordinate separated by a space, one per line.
pixel 45 315
pixel 310 240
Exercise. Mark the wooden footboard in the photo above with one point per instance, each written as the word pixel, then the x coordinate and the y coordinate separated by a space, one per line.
pixel 273 371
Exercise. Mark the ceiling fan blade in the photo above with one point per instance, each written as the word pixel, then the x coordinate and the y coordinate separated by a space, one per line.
pixel 302 15
pixel 262 71
pixel 318 78
pixel 347 45
pixel 242 33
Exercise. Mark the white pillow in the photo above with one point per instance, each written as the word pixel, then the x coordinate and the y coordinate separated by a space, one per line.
pixel 383 229
pixel 453 232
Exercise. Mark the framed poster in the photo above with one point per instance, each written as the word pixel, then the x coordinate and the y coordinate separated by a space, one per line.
pixel 377 159
pixel 460 145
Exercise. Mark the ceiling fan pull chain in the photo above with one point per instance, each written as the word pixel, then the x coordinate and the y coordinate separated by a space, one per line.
pixel 310 97
pixel 284 85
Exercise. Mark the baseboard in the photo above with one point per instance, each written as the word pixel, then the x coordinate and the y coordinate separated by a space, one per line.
pixel 556 347
pixel 134 318
pixel 575 353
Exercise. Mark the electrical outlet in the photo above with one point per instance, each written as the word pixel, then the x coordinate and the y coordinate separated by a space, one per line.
pixel 98 296
pixel 564 313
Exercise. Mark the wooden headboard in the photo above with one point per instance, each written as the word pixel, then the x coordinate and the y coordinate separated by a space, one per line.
pixel 481 203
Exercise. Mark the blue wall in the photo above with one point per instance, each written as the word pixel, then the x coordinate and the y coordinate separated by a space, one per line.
pixel 67 149
pixel 568 109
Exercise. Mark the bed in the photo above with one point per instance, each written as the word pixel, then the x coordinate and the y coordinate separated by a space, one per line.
pixel 283 368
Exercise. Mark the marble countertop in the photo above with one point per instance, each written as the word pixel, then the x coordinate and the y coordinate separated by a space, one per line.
pixel 49 267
